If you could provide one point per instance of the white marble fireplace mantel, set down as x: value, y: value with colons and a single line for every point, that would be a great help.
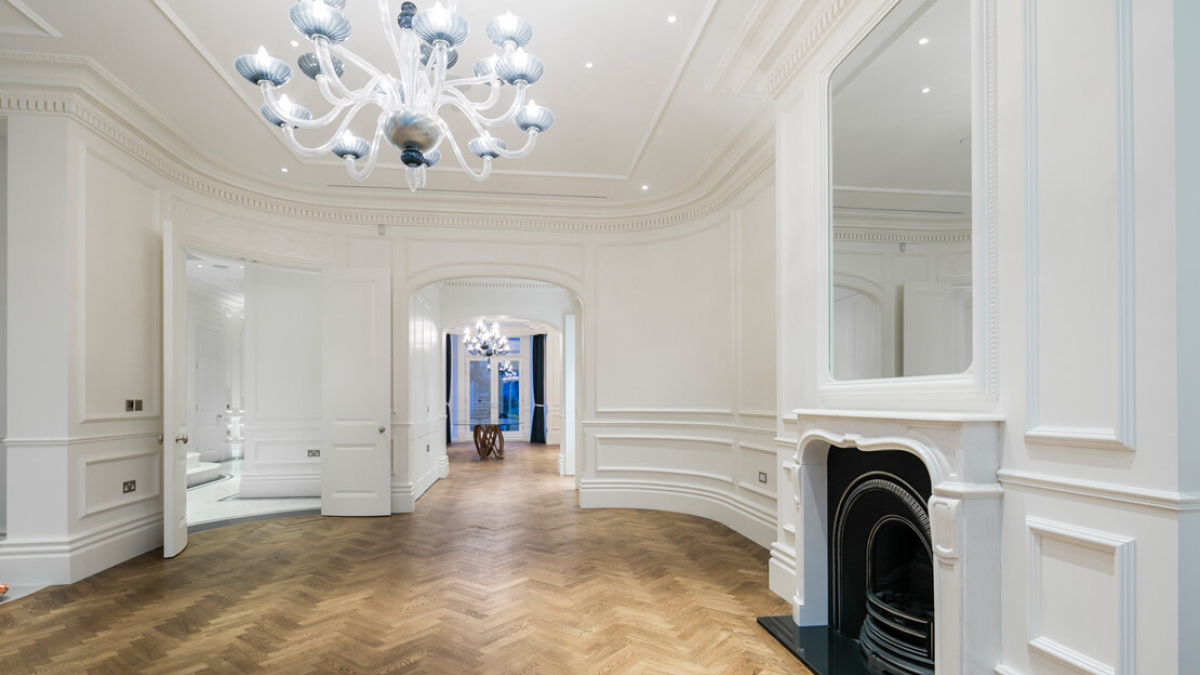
x: 961, y: 451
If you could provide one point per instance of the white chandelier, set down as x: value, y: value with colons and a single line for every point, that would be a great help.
x: 486, y: 341
x: 410, y: 103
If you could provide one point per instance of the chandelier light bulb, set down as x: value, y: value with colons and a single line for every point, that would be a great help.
x: 413, y: 102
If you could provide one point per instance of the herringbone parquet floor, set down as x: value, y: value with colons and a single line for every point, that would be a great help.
x: 497, y: 572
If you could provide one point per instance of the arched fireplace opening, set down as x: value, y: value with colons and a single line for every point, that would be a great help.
x: 881, y: 558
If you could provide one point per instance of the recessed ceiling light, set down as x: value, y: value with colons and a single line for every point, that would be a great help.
x: 645, y: 187
x: 220, y: 267
x: 296, y: 43
x: 923, y: 91
x: 589, y: 64
x: 284, y: 169
x: 671, y: 19
x: 923, y: 41
x: 199, y: 265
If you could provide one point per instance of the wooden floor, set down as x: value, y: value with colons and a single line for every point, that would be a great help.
x: 497, y: 572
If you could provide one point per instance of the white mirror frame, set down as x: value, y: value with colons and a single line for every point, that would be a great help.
x: 801, y: 87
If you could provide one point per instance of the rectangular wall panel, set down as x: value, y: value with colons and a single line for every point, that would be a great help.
x: 1079, y: 223
x: 121, y: 291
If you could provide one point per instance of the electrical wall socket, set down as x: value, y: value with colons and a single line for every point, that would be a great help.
x: 762, y: 477
x: 133, y: 405
x: 314, y: 453
x: 128, y: 486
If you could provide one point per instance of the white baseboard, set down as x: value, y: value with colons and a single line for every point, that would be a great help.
x: 727, y: 509
x: 404, y: 498
x: 46, y: 563
x: 280, y: 487
x: 782, y: 575
x: 425, y: 482
x: 443, y: 466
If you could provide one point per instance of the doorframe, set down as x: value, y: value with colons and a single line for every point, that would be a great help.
x: 518, y: 272
x: 259, y: 248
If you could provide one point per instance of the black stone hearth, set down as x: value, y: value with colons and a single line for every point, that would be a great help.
x: 881, y: 605
x: 821, y: 650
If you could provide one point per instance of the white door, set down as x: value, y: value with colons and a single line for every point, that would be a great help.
x: 174, y: 396
x: 928, y: 343
x: 356, y: 372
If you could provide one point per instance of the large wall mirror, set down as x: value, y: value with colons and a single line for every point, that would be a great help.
x: 900, y: 168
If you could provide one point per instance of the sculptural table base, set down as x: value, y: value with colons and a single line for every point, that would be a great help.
x: 489, y: 441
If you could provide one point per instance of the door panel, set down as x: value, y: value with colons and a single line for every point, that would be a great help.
x: 510, y: 398
x: 174, y: 396
x: 356, y: 366
x: 480, y: 392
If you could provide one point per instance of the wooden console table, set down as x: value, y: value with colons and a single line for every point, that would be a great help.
x: 489, y: 441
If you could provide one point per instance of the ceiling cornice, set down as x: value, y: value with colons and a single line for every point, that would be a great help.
x: 83, y: 90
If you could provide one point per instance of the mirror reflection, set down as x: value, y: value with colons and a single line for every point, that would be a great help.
x: 900, y: 153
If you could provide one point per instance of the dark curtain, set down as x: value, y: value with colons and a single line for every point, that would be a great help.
x: 449, y: 373
x: 537, y: 432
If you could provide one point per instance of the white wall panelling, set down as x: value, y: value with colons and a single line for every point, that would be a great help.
x: 282, y: 380
x: 3, y: 325
x: 1082, y: 597
x: 1065, y: 171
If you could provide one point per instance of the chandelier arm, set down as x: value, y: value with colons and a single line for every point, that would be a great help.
x: 487, y: 161
x: 272, y: 103
x: 289, y: 134
x: 478, y: 106
x: 323, y: 57
x: 369, y: 166
x: 478, y: 119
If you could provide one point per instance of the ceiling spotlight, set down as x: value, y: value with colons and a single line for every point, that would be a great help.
x: 295, y: 43
x: 923, y: 91
x: 671, y: 19
x: 284, y: 169
x: 923, y: 41
x: 645, y: 187
x: 589, y: 64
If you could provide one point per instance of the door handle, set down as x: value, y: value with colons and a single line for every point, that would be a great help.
x: 382, y: 429
x: 181, y: 437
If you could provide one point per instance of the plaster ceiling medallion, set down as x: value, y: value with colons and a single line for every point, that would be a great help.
x: 411, y: 103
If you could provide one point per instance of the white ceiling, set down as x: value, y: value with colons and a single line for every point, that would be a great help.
x: 644, y: 114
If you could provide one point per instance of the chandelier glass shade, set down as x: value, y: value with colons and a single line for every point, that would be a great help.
x: 486, y: 340
x: 413, y: 101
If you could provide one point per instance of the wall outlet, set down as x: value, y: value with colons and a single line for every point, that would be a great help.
x: 762, y: 477
x: 137, y: 404
x: 128, y: 405
x: 128, y: 486
x: 426, y: 447
x: 314, y: 453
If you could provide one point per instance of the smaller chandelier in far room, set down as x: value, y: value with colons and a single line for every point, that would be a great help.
x: 411, y: 102
x: 486, y: 341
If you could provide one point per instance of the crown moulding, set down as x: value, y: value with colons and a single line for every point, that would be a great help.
x: 82, y: 90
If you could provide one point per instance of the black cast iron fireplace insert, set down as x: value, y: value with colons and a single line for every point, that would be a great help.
x: 881, y: 609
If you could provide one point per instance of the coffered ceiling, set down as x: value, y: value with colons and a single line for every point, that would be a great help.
x: 662, y: 106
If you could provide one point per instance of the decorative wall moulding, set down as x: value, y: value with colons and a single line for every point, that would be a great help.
x: 105, y: 106
x: 1177, y: 502
x: 797, y: 55
x: 1124, y: 559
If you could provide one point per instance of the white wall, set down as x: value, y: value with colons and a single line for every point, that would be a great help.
x: 682, y: 373
x: 215, y: 321
x: 282, y: 382
x: 83, y: 336
x: 693, y: 439
x: 1075, y: 253
x: 3, y: 321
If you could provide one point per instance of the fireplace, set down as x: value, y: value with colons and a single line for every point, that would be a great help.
x: 896, y: 539
x: 881, y: 559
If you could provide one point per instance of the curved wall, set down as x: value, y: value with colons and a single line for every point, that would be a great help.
x: 676, y: 393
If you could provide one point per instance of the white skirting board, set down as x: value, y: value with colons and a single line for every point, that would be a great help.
x: 46, y: 563
x: 280, y: 487
x: 739, y: 515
